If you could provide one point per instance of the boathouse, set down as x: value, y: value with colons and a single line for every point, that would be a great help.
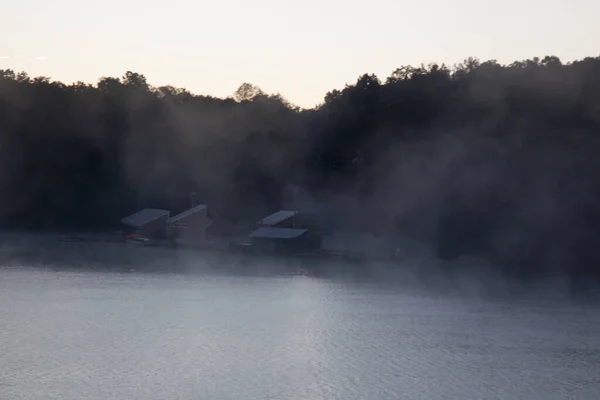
x: 150, y: 222
x: 190, y: 226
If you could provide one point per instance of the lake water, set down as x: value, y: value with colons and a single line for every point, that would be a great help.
x: 72, y: 335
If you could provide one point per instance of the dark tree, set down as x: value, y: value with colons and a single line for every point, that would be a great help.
x: 496, y: 160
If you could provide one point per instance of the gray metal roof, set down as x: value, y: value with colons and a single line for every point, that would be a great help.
x: 187, y: 213
x: 277, y: 233
x: 144, y: 217
x: 278, y: 217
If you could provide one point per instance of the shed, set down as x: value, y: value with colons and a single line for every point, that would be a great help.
x: 190, y: 225
x: 150, y: 222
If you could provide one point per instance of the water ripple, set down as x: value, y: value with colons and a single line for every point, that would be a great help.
x: 139, y: 336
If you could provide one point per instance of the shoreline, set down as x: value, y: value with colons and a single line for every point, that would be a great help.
x: 218, y: 244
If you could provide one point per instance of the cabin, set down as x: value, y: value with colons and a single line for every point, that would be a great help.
x: 149, y: 222
x: 267, y: 240
x: 190, y: 226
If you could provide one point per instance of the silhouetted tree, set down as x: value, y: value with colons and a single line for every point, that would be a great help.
x: 247, y: 92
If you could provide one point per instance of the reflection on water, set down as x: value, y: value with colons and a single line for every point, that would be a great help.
x: 93, y: 335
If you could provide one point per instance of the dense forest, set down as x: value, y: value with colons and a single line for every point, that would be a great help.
x: 497, y: 160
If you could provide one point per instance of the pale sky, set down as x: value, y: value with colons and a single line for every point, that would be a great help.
x: 301, y: 49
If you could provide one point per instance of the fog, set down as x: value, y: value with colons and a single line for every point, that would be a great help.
x: 419, y: 271
x: 489, y: 172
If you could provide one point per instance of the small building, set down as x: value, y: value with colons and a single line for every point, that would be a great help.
x: 280, y: 219
x: 149, y: 222
x: 267, y: 240
x: 190, y: 226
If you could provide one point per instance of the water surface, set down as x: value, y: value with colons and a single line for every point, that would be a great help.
x: 103, y: 335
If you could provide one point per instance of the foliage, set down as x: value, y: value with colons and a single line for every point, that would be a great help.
x: 500, y: 160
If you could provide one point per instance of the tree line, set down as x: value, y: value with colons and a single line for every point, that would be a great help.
x: 478, y: 158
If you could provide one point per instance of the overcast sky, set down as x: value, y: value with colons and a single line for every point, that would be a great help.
x: 301, y: 49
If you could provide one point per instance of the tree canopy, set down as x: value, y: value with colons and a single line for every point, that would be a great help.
x: 499, y: 160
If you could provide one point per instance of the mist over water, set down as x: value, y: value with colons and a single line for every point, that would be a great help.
x: 418, y: 269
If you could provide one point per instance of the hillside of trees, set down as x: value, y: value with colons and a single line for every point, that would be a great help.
x: 481, y: 158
